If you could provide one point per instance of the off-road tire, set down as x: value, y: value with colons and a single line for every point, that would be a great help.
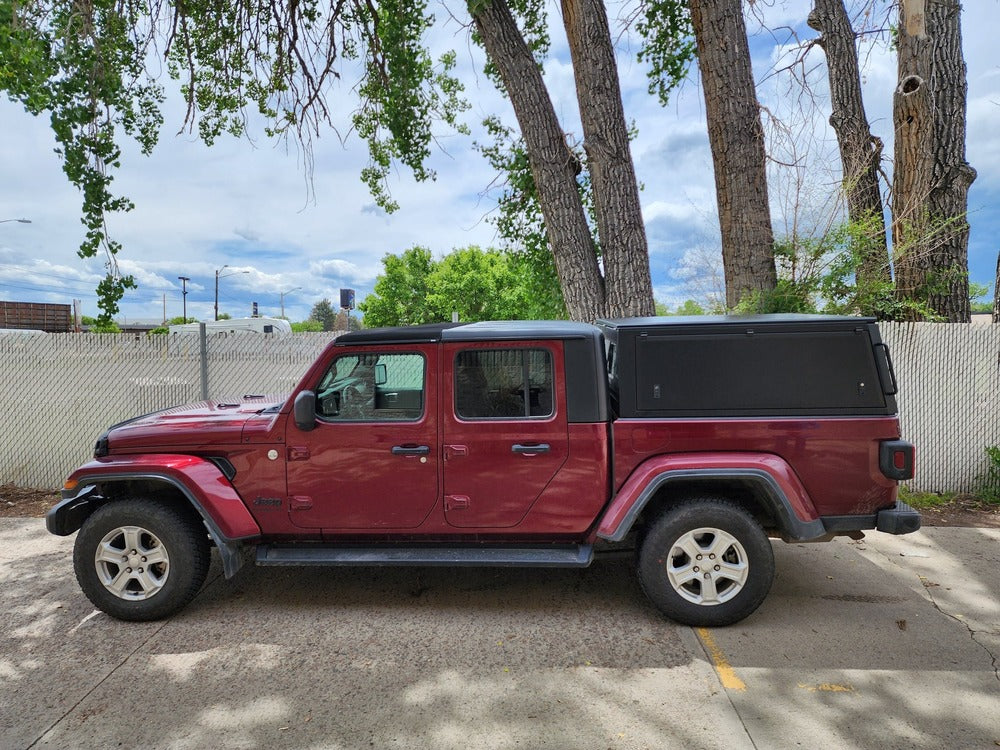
x: 706, y: 591
x: 175, y: 541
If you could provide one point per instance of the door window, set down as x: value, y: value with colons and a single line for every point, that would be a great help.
x: 503, y: 384
x: 372, y: 387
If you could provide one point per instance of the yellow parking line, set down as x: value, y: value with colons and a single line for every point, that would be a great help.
x: 722, y: 666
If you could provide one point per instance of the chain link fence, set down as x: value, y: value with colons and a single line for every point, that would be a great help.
x: 949, y: 399
x: 59, y: 392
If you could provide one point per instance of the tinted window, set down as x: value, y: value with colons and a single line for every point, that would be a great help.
x: 764, y: 373
x: 372, y: 387
x: 503, y: 384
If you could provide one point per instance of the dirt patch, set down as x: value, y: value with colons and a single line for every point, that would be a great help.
x: 964, y: 510
x: 25, y: 503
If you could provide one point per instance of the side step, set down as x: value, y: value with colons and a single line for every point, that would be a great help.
x: 523, y: 556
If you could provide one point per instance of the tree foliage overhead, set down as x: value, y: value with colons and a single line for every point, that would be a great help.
x: 668, y: 45
x: 93, y: 66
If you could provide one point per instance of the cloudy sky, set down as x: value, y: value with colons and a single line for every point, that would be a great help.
x: 245, y: 204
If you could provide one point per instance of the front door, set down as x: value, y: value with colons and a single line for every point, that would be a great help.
x: 505, y: 430
x: 371, y: 463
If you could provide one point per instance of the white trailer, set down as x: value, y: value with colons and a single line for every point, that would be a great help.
x: 275, y: 326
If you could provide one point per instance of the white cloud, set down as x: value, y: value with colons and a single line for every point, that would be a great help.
x: 673, y: 211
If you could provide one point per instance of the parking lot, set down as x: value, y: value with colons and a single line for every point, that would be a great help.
x: 888, y: 642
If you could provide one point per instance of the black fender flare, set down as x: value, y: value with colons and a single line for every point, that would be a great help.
x: 67, y: 516
x: 759, y: 481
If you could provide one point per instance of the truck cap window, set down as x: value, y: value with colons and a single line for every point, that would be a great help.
x: 503, y: 384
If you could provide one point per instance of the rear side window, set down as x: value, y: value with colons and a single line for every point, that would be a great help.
x: 763, y: 373
x: 503, y: 384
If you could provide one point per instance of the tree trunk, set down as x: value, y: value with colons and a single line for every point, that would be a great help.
x: 931, y: 180
x: 737, y: 140
x: 996, y: 294
x: 913, y: 120
x: 949, y: 196
x: 860, y: 151
x: 553, y: 166
x: 620, y: 227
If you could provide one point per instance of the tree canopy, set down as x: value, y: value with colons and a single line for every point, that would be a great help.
x: 570, y: 210
x: 324, y: 314
x: 94, y: 67
x: 477, y: 284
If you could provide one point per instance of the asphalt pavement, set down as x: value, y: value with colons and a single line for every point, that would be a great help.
x: 890, y: 642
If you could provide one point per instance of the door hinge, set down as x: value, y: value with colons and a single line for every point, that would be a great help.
x: 298, y: 452
x: 454, y: 451
x: 456, y: 502
x: 300, y: 502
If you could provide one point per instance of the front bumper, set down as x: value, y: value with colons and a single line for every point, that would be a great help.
x: 68, y: 515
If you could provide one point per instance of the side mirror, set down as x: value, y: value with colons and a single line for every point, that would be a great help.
x: 381, y: 375
x: 304, y: 411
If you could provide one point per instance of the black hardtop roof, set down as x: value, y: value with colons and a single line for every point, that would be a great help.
x: 734, y: 320
x: 502, y: 330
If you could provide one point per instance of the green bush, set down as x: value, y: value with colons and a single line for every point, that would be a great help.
x: 989, y: 481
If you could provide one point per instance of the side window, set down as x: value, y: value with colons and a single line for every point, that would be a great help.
x: 372, y: 387
x: 503, y: 384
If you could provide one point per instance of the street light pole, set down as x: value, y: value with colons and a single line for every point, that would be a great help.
x: 184, y: 294
x: 217, y: 277
x: 283, y: 299
x: 217, y: 270
x: 19, y: 221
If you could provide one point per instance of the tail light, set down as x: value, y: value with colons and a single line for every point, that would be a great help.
x: 895, y: 459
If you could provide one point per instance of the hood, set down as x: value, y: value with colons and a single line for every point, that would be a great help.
x: 202, y: 424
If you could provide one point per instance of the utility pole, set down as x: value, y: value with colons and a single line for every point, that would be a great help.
x: 996, y: 294
x: 217, y: 277
x: 184, y: 294
x: 217, y: 289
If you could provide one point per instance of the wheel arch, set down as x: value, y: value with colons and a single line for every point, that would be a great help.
x: 198, y: 485
x: 778, y: 502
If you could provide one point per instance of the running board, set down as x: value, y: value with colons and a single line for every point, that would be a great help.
x: 525, y: 556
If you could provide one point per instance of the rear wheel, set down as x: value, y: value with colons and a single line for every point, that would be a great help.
x: 140, y: 560
x: 706, y: 563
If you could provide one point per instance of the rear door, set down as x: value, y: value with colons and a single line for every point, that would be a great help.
x: 372, y: 460
x: 505, y: 429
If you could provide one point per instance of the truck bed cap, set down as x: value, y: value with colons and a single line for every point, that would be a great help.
x: 735, y: 320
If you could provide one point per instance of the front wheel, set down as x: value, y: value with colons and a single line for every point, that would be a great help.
x: 140, y: 559
x: 706, y: 563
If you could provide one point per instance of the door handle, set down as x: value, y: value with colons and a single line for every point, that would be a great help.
x: 529, y: 450
x: 410, y: 450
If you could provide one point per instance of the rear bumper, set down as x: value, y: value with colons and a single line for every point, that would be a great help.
x: 900, y: 519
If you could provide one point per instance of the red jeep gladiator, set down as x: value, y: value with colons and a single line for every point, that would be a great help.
x: 690, y: 440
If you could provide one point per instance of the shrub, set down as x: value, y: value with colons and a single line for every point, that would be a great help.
x: 989, y: 481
